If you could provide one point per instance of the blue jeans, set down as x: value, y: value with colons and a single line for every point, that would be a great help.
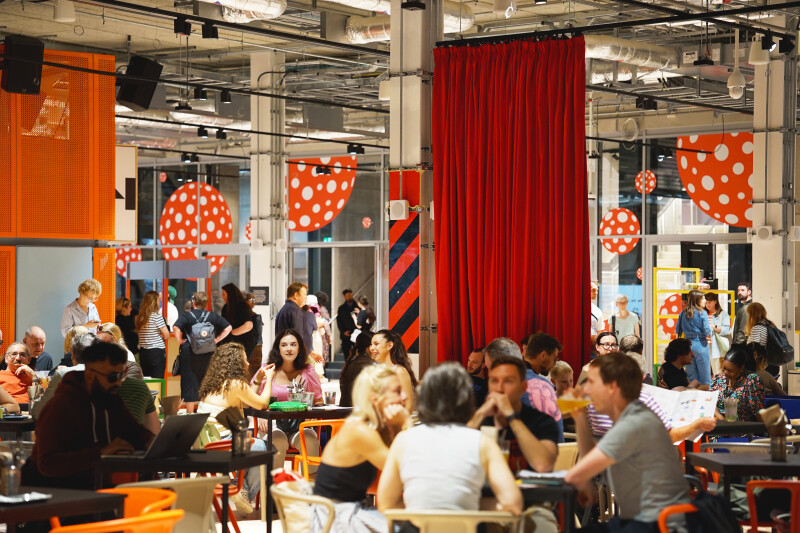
x: 700, y: 367
x: 252, y: 478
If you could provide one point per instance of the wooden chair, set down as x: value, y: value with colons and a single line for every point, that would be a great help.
x: 304, y: 458
x: 294, y: 508
x: 792, y: 486
x: 160, y: 522
x: 138, y: 501
x: 450, y: 521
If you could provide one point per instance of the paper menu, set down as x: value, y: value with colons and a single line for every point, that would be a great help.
x: 686, y: 406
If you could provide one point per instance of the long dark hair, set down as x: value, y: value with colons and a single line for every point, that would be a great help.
x: 398, y: 353
x: 361, y: 346
x: 275, y: 357
x: 363, y: 300
x: 236, y: 310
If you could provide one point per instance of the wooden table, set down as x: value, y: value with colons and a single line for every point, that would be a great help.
x: 64, y: 502
x: 202, y: 461
x: 533, y: 493
x: 17, y: 425
x: 316, y: 413
x: 735, y: 465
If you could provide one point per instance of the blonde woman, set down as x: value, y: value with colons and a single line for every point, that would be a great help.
x: 624, y: 322
x: 153, y: 333
x: 82, y: 311
x: 352, y: 459
x: 694, y: 325
x: 73, y: 332
x: 114, y: 334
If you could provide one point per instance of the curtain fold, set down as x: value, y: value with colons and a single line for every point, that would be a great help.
x: 510, y: 195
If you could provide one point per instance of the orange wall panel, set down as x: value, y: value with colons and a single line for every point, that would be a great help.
x: 104, y: 271
x: 7, y: 292
x: 8, y: 141
x: 105, y: 153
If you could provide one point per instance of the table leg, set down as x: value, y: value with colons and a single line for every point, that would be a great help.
x: 569, y: 514
x: 270, y: 466
x: 225, y: 507
x: 262, y: 478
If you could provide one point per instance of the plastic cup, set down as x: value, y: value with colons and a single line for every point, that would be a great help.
x: 567, y: 404
x: 330, y: 398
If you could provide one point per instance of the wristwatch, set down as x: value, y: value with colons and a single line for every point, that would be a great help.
x: 512, y: 416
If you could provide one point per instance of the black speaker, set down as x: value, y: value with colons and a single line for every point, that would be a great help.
x: 22, y: 65
x: 137, y: 94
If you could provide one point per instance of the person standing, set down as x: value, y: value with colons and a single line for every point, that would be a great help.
x: 345, y: 322
x: 694, y: 325
x: 597, y: 313
x: 325, y: 314
x: 366, y: 315
x: 241, y: 318
x: 744, y: 294
x: 153, y: 333
x: 82, y: 311
x: 125, y: 319
x: 624, y: 322
x: 292, y: 315
x: 720, y: 323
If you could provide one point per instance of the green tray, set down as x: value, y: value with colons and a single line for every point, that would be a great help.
x: 288, y: 406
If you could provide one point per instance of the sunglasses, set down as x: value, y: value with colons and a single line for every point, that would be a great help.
x: 111, y: 377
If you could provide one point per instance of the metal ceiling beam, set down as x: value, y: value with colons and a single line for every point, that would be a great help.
x: 634, y: 94
x: 255, y: 30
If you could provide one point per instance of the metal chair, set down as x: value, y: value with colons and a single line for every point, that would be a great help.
x: 160, y: 522
x: 792, y: 486
x: 450, y: 521
x: 304, y: 458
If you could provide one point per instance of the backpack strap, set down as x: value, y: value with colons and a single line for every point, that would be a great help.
x: 204, y: 316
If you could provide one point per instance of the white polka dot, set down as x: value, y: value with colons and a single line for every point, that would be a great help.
x: 171, y: 210
x: 734, y: 134
x: 219, y: 234
x: 340, y: 203
x: 632, y: 228
x: 701, y: 156
x: 307, y: 193
x: 295, y: 183
x: 740, y: 196
x: 120, y: 264
x: 291, y: 224
x: 748, y: 214
x: 325, y: 160
x: 316, y: 225
x: 328, y: 215
x: 319, y: 187
x: 751, y: 181
x: 194, y: 232
x: 738, y: 168
x: 181, y: 234
x: 690, y: 188
x: 352, y: 182
x: 182, y: 197
x: 680, y: 143
x: 721, y: 152
x: 210, y: 226
x: 622, y: 248
x: 297, y: 205
x: 607, y: 231
x: 716, y: 215
x: 301, y: 166
x: 189, y: 209
x: 178, y: 217
x: 622, y: 216
x: 671, y: 322
x: 693, y: 139
x: 331, y: 186
x: 619, y: 230
x: 684, y: 162
x: 344, y: 185
x: 704, y: 205
x: 314, y: 171
x: 694, y: 171
x: 628, y: 240
x: 168, y: 223
x: 316, y: 208
x: 723, y: 199
x: 327, y: 202
x: 171, y: 237
x: 731, y: 218
x: 724, y: 178
x: 305, y: 220
x: 747, y: 148
x: 707, y: 182
x: 337, y: 168
x: 203, y: 200
x: 215, y: 211
x: 675, y: 309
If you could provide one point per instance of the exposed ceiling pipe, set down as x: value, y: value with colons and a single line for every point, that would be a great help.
x: 361, y: 30
x: 631, y: 52
x: 244, y: 17
x: 243, y: 9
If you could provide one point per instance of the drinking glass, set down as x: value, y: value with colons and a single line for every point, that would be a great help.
x: 330, y: 398
x: 731, y: 409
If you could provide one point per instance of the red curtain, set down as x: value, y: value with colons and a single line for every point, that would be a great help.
x: 510, y: 195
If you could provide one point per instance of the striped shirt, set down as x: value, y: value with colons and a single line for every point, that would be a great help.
x: 150, y: 336
x: 600, y: 424
x: 137, y: 398
x: 758, y: 335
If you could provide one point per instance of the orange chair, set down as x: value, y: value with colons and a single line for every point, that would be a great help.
x: 233, y: 488
x: 681, y: 508
x: 160, y: 522
x: 138, y: 501
x: 307, y: 460
x: 792, y: 486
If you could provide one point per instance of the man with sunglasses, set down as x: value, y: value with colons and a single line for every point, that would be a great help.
x: 85, y: 420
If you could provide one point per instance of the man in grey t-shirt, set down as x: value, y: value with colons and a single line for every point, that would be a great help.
x: 639, y: 456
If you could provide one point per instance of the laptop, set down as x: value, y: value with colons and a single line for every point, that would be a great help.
x: 174, y: 440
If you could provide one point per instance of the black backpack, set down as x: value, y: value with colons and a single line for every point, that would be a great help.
x: 779, y: 351
x: 201, y: 335
x: 714, y: 515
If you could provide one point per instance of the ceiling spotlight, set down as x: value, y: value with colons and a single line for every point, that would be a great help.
x: 540, y: 2
x: 183, y: 106
x: 202, y: 132
x: 785, y: 46
x: 323, y: 170
x: 64, y: 11
x: 758, y: 55
x: 195, y: 158
x: 182, y: 26
x: 225, y: 96
x: 186, y: 157
x: 768, y: 43
x: 200, y: 94
x: 736, y: 81
x: 413, y: 5
x: 210, y: 31
x: 221, y: 135
x: 355, y: 149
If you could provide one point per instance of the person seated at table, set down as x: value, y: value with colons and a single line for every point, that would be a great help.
x: 288, y: 359
x: 539, y: 355
x: 637, y: 451
x: 442, y: 463
x: 66, y: 360
x: 387, y: 348
x: 357, y: 360
x: 354, y: 456
x: 18, y: 375
x: 758, y: 364
x: 225, y: 385
x: 562, y: 377
x: 110, y: 332
x: 85, y: 419
x: 79, y: 343
x: 736, y: 381
x: 532, y: 436
x: 605, y: 343
x: 671, y: 374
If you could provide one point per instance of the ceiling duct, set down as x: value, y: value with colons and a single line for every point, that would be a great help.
x: 243, y: 11
x: 361, y: 30
x: 631, y: 52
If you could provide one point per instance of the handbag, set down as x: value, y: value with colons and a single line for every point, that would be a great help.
x: 723, y: 343
x: 176, y: 366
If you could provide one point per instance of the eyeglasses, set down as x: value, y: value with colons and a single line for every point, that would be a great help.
x: 609, y: 346
x: 18, y: 355
x: 111, y: 377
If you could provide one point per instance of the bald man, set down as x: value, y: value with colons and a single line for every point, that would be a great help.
x: 35, y: 339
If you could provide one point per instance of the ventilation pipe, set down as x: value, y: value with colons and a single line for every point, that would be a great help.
x: 240, y: 10
x: 636, y: 53
x: 361, y: 30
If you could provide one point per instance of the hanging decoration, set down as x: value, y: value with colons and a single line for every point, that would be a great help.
x: 247, y: 231
x: 619, y: 221
x: 127, y: 253
x: 318, y: 190
x: 645, y: 180
x: 184, y: 215
x: 720, y: 183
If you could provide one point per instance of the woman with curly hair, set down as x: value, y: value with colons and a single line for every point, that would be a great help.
x: 387, y: 348
x: 153, y: 332
x: 225, y: 385
x: 237, y: 311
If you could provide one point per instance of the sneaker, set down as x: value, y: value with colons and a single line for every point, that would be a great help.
x: 242, y: 502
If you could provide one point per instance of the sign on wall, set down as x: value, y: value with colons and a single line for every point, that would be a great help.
x: 126, y: 184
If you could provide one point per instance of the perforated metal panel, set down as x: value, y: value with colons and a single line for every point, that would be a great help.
x: 7, y: 292
x: 7, y: 162
x: 104, y: 271
x: 106, y: 139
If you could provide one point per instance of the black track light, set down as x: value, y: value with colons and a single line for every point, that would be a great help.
x: 785, y: 46
x: 183, y: 106
x: 355, y: 149
x: 413, y: 5
x: 182, y: 26
x: 323, y: 170
x: 225, y: 96
x: 200, y: 94
x: 540, y: 2
x: 221, y: 135
x: 202, y: 132
x: 768, y: 43
x: 195, y: 158
x: 210, y: 31
x: 186, y: 157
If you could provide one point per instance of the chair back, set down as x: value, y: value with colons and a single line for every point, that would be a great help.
x: 194, y: 496
x: 160, y: 522
x: 440, y: 521
x: 307, y: 460
x: 567, y: 456
x: 294, y: 507
x: 792, y: 486
x: 681, y: 508
x: 141, y: 500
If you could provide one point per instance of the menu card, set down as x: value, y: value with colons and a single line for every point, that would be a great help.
x: 686, y: 406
